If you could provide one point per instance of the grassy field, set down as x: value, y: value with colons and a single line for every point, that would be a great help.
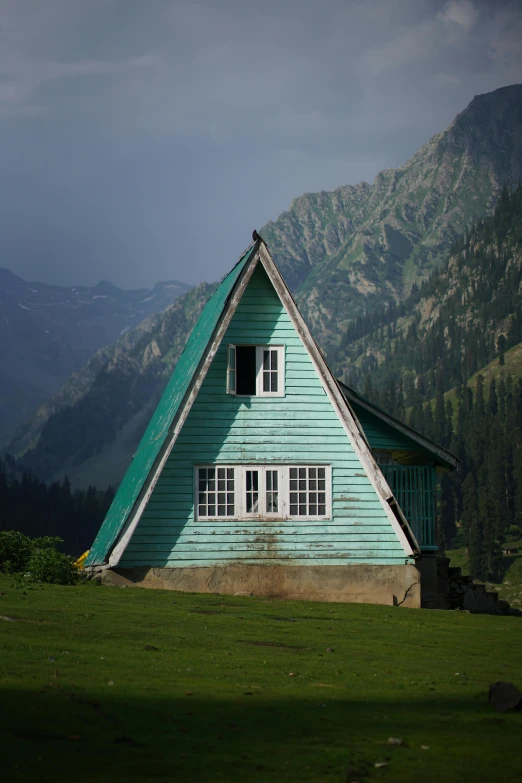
x: 107, y: 684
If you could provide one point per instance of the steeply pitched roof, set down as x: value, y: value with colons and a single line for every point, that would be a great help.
x: 166, y: 413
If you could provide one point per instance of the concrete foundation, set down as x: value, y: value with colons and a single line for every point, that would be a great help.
x: 394, y: 585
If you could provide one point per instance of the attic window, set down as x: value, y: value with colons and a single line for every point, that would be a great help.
x: 256, y: 370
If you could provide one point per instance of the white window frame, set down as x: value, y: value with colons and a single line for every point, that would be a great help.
x: 232, y: 370
x: 283, y: 472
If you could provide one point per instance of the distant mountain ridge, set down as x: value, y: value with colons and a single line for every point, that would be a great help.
x: 47, y: 332
x: 343, y: 253
x: 351, y: 250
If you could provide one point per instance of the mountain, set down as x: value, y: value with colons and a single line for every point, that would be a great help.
x: 92, y: 426
x: 47, y: 332
x: 467, y: 314
x: 360, y: 250
x: 351, y: 250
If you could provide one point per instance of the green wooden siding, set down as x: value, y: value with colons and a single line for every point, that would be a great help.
x: 302, y: 426
x: 382, y: 436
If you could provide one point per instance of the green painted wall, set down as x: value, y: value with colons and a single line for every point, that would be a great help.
x: 300, y: 427
x: 383, y: 436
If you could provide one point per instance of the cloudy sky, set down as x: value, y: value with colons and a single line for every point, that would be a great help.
x: 144, y: 139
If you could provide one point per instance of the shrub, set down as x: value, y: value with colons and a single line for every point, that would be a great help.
x: 15, y: 551
x: 36, y: 559
x: 49, y: 565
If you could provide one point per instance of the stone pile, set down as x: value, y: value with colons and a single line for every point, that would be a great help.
x: 456, y: 591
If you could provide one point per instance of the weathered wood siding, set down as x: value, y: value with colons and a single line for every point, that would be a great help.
x: 302, y: 426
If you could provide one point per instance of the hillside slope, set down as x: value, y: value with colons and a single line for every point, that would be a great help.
x: 47, y: 332
x: 469, y: 312
x: 112, y: 397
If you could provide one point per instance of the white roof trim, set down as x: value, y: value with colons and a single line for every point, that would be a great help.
x: 339, y: 403
x: 184, y: 410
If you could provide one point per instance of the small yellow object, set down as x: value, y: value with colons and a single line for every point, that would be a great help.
x: 81, y: 560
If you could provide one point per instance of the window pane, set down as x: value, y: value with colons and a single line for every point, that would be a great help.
x: 211, y: 511
x: 273, y: 383
x: 221, y: 511
x: 307, y: 491
x: 230, y: 473
x: 273, y: 363
x: 272, y: 497
x: 230, y: 511
x: 266, y: 360
x: 221, y: 473
x: 266, y: 381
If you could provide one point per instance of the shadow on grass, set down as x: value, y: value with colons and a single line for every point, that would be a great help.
x: 60, y: 735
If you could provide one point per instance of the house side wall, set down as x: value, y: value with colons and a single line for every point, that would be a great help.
x: 382, y: 436
x: 300, y: 427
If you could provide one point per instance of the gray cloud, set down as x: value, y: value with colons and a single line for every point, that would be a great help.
x: 145, y: 140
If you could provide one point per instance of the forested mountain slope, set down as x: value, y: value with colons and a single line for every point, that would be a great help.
x: 468, y: 312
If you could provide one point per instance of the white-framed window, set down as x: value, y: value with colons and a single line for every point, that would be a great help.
x: 256, y: 370
x: 263, y: 492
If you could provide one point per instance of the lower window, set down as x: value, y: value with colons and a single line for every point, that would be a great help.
x: 263, y: 491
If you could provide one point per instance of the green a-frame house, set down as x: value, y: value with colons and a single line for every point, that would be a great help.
x: 260, y: 473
